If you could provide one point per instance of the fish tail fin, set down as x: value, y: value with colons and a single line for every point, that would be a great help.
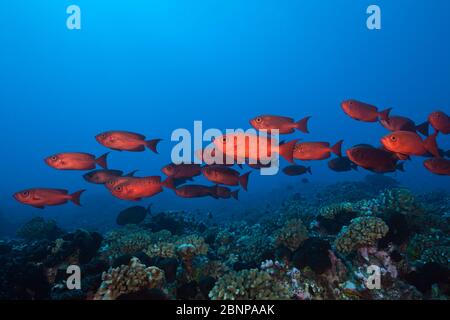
x: 384, y: 115
x: 102, y: 161
x: 169, y: 183
x: 75, y: 197
x: 400, y: 167
x: 243, y: 180
x: 152, y: 144
x: 235, y: 194
x: 131, y: 174
x: 336, y: 149
x: 308, y: 169
x: 423, y: 128
x: 430, y: 144
x: 302, y: 125
x: 286, y: 150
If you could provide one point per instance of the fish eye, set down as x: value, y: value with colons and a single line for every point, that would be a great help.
x: 393, y: 138
x: 119, y: 188
x: 54, y: 158
x: 25, y: 193
x: 224, y: 139
x: 258, y: 119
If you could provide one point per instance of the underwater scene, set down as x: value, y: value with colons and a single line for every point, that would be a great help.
x: 225, y: 150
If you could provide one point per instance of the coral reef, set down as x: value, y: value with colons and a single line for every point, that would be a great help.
x: 306, y: 248
x: 128, y: 279
x: 362, y: 232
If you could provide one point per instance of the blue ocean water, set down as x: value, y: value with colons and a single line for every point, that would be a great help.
x: 155, y: 66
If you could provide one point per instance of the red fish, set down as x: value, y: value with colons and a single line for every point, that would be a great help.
x: 398, y: 123
x: 225, y: 175
x: 208, y: 156
x: 196, y: 191
x: 374, y: 159
x: 253, y: 147
x: 42, y: 197
x: 126, y: 141
x: 284, y: 125
x: 438, y: 166
x: 226, y: 193
x: 111, y: 184
x: 182, y: 171
x: 296, y: 170
x: 364, y: 112
x: 316, y: 150
x: 440, y: 121
x: 76, y: 161
x: 136, y: 189
x: 103, y: 176
x: 410, y: 144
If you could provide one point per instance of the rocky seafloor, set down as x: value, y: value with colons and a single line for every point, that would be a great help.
x: 316, y: 247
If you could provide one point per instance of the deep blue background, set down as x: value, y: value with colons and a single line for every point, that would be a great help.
x: 153, y: 66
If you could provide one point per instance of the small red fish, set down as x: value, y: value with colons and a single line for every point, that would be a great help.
x: 374, y: 159
x: 226, y: 193
x: 76, y: 161
x: 182, y: 171
x: 126, y: 141
x: 225, y: 175
x: 438, y: 166
x: 284, y: 125
x: 42, y: 197
x: 440, y: 121
x: 196, y: 191
x: 316, y: 150
x: 103, y: 176
x: 398, y: 123
x: 410, y: 144
x: 136, y: 189
x: 364, y: 112
x: 296, y: 170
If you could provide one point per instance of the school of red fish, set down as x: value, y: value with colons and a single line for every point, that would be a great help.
x: 406, y: 139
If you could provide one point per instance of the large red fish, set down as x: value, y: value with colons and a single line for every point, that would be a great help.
x: 284, y: 125
x: 136, y: 189
x: 410, y: 144
x: 42, y: 197
x: 438, y: 166
x: 182, y: 171
x: 374, y: 159
x: 211, y: 156
x: 226, y: 193
x: 111, y: 184
x: 76, y: 161
x: 253, y: 148
x: 225, y: 175
x: 126, y: 141
x: 316, y: 150
x: 398, y: 123
x: 364, y: 112
x: 103, y: 176
x: 440, y: 121
x: 196, y: 191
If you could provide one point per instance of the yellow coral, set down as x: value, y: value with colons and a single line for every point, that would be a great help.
x: 128, y: 279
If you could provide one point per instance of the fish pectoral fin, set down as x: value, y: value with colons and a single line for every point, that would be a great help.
x: 36, y: 198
